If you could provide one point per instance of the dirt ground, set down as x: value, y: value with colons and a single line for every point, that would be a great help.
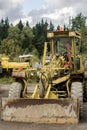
x: 34, y: 126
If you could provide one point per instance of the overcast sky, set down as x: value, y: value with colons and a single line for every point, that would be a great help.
x: 57, y: 11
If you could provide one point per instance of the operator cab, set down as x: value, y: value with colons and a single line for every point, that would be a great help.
x: 67, y: 44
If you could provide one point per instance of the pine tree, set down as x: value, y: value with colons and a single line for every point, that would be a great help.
x: 51, y: 28
x: 20, y: 25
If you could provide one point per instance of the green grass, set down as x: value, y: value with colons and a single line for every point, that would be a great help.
x: 6, y: 80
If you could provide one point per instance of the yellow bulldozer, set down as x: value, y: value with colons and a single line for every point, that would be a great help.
x: 58, y: 95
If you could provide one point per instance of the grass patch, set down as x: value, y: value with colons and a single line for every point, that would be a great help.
x: 6, y: 80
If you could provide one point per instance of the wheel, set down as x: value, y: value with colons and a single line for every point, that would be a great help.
x: 41, y: 89
x: 85, y: 65
x: 15, y: 90
x: 85, y: 91
x: 77, y: 92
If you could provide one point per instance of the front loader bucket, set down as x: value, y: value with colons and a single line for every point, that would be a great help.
x: 40, y: 110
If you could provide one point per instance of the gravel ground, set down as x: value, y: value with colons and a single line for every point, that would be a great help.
x: 34, y: 126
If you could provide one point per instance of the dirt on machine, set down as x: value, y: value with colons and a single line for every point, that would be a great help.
x: 59, y: 92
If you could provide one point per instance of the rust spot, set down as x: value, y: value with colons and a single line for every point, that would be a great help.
x: 25, y: 102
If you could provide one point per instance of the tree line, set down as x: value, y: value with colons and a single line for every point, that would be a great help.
x: 21, y: 39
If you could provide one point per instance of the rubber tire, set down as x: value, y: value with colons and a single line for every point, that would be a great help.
x: 85, y: 91
x: 85, y: 65
x: 77, y: 92
x: 15, y: 90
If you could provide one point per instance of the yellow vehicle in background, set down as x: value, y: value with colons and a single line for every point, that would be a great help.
x: 6, y: 66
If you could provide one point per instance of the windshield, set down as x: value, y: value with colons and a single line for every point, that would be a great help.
x: 61, y: 44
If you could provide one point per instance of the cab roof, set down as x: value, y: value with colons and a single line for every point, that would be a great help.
x: 53, y: 34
